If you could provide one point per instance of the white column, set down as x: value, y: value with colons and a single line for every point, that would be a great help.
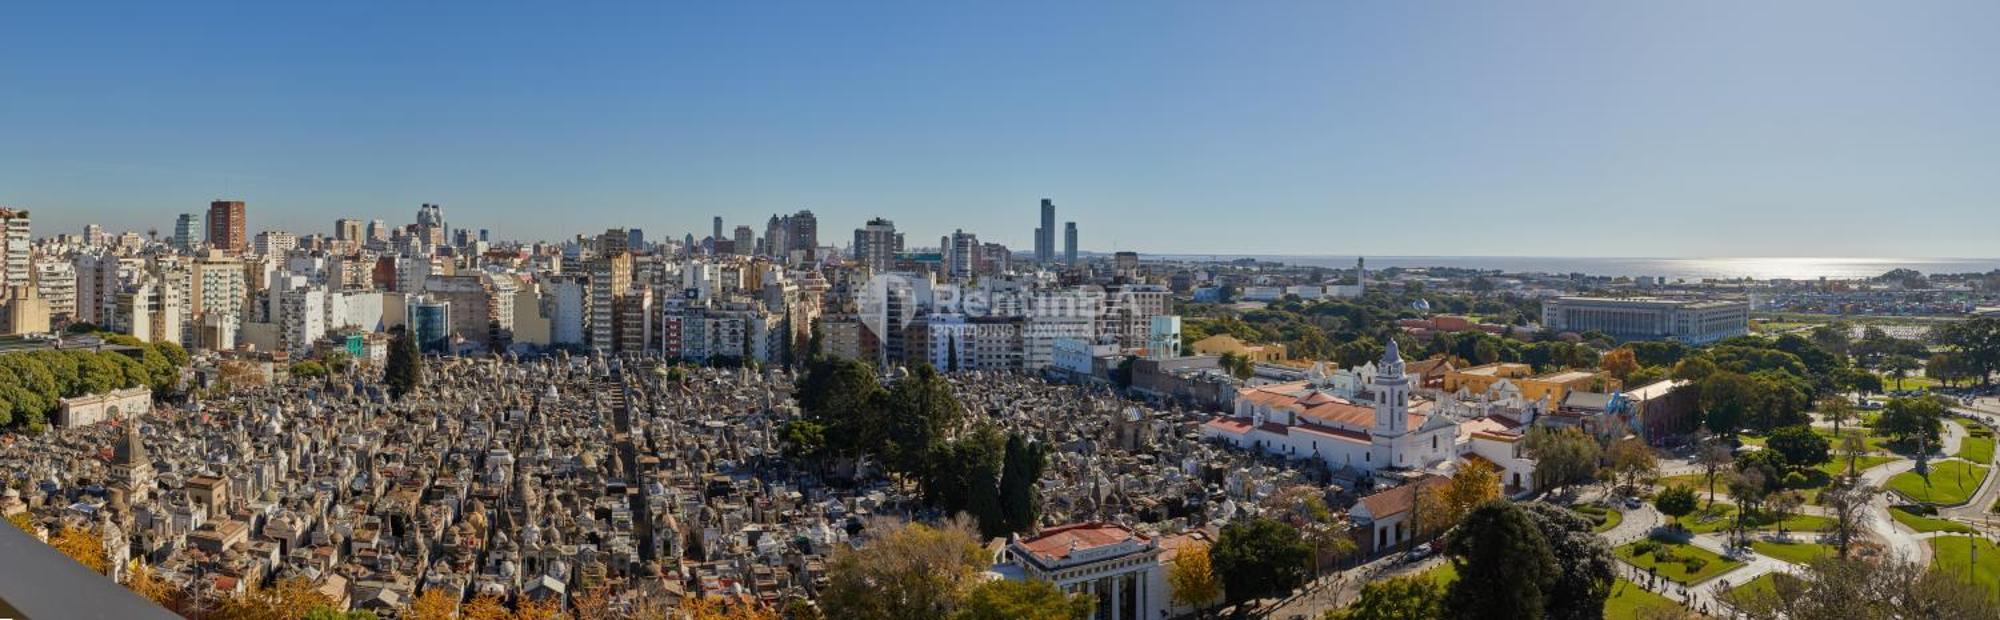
x: 1117, y: 589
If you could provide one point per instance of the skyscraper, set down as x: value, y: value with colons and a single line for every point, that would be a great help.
x: 876, y: 244
x: 187, y: 231
x: 378, y: 231
x: 746, y: 240
x: 775, y: 232
x: 346, y: 229
x: 14, y: 248
x: 1069, y: 243
x: 716, y: 236
x: 803, y: 234
x: 1045, y: 236
x: 226, y: 227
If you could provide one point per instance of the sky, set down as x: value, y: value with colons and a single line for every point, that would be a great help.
x: 1589, y: 128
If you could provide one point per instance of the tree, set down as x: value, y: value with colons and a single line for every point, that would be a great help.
x: 1727, y: 399
x: 404, y: 369
x: 288, y: 599
x: 83, y: 545
x: 1633, y: 460
x: 719, y: 608
x: 309, y: 369
x: 1714, y: 458
x: 922, y: 413
x: 1584, y: 563
x: 1852, y: 446
x: 327, y: 612
x: 844, y: 397
x: 1020, y: 477
x: 1907, y: 418
x: 1694, y: 369
x: 1619, y: 363
x: 1503, y: 545
x: 1442, y: 507
x: 1801, y: 446
x: 1033, y: 599
x: 1977, y: 341
x: 538, y: 609
x: 1563, y: 455
x: 1847, y: 498
x: 1191, y: 578
x: 1259, y: 558
x: 433, y: 604
x: 1836, y: 409
x: 141, y: 580
x: 1675, y: 501
x: 1413, y: 597
x: 1899, y: 366
x: 907, y: 571
x: 1834, y: 588
x: 1781, y: 505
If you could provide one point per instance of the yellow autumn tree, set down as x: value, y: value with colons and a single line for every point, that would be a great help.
x: 1475, y: 483
x: 1191, y: 578
x: 141, y: 580
x: 289, y: 599
x: 718, y: 608
x: 84, y: 546
x: 532, y: 609
x: 433, y: 604
x: 592, y: 604
x: 486, y: 607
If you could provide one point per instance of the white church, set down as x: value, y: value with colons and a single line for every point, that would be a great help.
x: 1380, y: 430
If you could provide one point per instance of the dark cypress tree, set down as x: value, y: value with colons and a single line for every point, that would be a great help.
x: 1020, y: 497
x: 1508, y: 562
x: 405, y: 366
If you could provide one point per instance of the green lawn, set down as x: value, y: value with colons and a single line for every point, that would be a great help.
x: 1838, y: 466
x: 1978, y: 447
x: 1875, y: 443
x: 1677, y: 571
x: 1927, y: 524
x: 1954, y: 556
x: 1908, y: 383
x: 1605, y: 517
x: 1794, y: 552
x: 1951, y: 483
x: 1628, y: 600
x: 1723, y: 516
x: 1763, y: 584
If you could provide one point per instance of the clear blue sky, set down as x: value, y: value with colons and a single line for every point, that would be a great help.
x: 1399, y: 128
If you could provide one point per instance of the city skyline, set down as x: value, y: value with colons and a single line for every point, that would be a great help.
x: 1793, y: 122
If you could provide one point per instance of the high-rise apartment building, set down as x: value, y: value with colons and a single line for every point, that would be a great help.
x: 961, y: 254
x: 775, y: 232
x: 876, y: 244
x: 346, y: 229
x: 276, y: 243
x: 803, y: 235
x: 187, y: 232
x: 57, y: 278
x: 15, y: 241
x: 227, y: 229
x: 93, y: 235
x: 746, y: 240
x: 378, y: 231
x: 1045, y: 236
x: 1069, y: 244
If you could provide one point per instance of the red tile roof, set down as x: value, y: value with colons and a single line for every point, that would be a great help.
x: 1055, y: 544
